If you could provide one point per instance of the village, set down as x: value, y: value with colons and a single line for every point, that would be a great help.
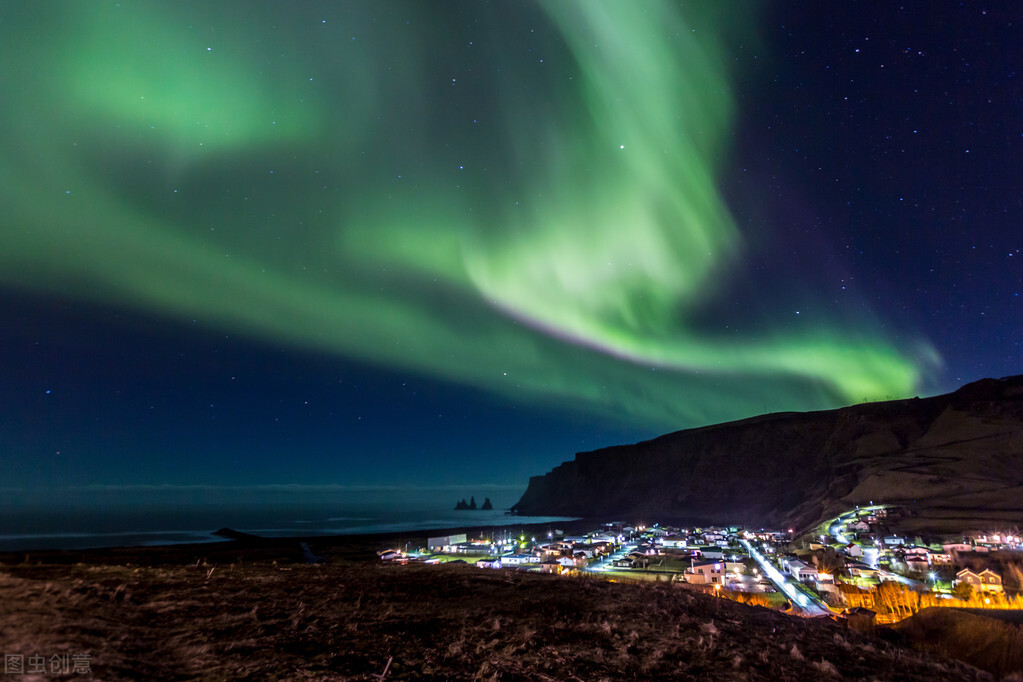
x: 851, y: 567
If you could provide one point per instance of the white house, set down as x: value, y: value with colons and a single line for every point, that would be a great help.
x: 706, y: 573
x: 519, y: 559
x: 801, y: 571
x: 853, y: 550
x: 488, y: 563
x: 445, y: 543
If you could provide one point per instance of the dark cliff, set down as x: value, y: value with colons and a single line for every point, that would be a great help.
x: 959, y: 451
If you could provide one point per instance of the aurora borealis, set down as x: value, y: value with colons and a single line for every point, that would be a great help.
x: 547, y: 207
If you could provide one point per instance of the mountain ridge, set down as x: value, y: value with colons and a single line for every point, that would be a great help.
x: 956, y: 456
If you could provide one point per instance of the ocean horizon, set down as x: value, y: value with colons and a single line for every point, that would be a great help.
x: 90, y: 518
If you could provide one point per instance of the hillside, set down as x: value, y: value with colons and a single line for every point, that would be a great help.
x: 957, y: 459
x: 357, y: 621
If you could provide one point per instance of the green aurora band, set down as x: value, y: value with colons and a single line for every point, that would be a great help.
x: 544, y: 230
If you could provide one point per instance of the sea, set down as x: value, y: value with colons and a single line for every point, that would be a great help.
x: 124, y: 516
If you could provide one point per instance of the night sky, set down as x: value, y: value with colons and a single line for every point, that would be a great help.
x: 421, y: 244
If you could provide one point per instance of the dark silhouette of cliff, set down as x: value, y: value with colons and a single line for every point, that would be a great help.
x: 957, y: 456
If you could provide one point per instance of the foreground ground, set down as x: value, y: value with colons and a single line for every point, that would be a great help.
x: 257, y: 617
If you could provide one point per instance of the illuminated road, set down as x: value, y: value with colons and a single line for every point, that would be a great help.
x: 835, y: 530
x: 811, y: 606
x: 837, y: 525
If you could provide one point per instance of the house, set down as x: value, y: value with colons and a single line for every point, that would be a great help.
x: 706, y: 573
x: 488, y: 563
x: 892, y: 540
x: 917, y: 563
x: 445, y: 543
x: 471, y: 548
x: 602, y: 538
x: 859, y: 527
x: 860, y: 570
x: 801, y: 571
x: 519, y: 559
x: 639, y: 560
x: 985, y: 581
x: 550, y: 566
x: 962, y: 547
x: 566, y: 562
x: 824, y: 579
x: 917, y: 558
x: 585, y: 550
x: 853, y: 550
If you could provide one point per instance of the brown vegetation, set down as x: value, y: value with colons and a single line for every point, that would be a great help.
x: 987, y: 643
x: 346, y: 620
x: 894, y: 601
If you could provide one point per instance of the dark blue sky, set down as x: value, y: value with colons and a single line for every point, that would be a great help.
x: 870, y: 203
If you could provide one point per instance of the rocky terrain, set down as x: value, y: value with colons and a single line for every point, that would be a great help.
x: 956, y: 459
x: 137, y: 618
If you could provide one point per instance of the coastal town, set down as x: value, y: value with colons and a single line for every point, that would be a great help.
x: 853, y: 567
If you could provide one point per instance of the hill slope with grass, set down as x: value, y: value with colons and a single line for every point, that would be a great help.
x: 284, y: 620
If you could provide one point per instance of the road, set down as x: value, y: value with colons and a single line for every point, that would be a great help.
x: 811, y: 606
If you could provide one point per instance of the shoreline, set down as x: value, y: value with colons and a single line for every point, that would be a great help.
x: 246, y: 547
